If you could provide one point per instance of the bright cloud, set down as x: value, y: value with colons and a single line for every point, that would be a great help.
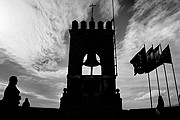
x: 3, y: 85
x: 147, y: 95
x: 154, y: 22
x: 38, y: 96
x: 32, y: 33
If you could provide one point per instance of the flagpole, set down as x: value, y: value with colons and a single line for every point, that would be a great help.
x: 175, y: 83
x: 115, y: 53
x: 158, y: 81
x: 175, y: 79
x: 166, y: 80
x: 167, y: 84
x: 157, y: 78
x: 150, y: 90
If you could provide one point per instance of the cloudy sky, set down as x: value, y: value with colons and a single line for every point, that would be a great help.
x: 34, y: 43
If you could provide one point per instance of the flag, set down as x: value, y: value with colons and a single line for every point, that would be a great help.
x: 150, y: 65
x: 139, y: 61
x: 166, y: 55
x: 157, y: 57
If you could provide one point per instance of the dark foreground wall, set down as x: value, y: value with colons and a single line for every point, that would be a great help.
x: 33, y: 113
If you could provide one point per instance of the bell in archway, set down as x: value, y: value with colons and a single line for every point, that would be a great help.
x: 91, y: 60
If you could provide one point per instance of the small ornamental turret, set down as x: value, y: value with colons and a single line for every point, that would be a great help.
x: 100, y: 25
x: 83, y: 25
x: 75, y: 25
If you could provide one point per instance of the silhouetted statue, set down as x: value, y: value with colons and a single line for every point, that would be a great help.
x: 26, y: 104
x: 11, y: 97
x: 160, y: 104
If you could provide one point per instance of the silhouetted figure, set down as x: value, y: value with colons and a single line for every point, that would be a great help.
x: 26, y: 104
x: 11, y: 94
x: 118, y: 100
x: 63, y: 101
x: 160, y: 105
x: 117, y: 93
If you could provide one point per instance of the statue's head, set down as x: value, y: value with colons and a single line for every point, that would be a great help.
x: 13, y: 80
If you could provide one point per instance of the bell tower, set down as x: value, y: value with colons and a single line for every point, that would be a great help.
x: 87, y: 93
x: 91, y: 42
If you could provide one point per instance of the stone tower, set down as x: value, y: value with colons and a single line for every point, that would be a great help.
x: 91, y: 93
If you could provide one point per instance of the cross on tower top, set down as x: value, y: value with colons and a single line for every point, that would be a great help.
x: 92, y: 5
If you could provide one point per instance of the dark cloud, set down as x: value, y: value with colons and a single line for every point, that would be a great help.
x: 146, y: 10
x: 153, y: 22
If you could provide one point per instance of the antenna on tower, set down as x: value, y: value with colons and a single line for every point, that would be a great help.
x: 115, y: 54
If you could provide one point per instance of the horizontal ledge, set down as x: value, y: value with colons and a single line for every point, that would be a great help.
x: 92, y: 76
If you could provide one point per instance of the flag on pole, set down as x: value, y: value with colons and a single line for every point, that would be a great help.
x: 139, y: 61
x: 166, y: 58
x: 166, y: 55
x: 150, y: 60
x: 157, y: 57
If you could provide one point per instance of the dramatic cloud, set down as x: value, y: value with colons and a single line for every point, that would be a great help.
x: 106, y: 8
x: 147, y: 95
x: 2, y: 58
x: 38, y: 96
x: 3, y: 86
x: 33, y: 32
x: 153, y: 22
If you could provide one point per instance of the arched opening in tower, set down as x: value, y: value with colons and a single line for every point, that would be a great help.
x: 91, y: 70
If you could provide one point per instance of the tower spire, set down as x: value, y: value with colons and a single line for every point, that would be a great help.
x: 92, y: 5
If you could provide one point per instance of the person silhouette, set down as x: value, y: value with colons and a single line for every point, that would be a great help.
x: 11, y: 98
x: 117, y: 93
x: 63, y: 101
x: 26, y: 104
x: 160, y: 104
x: 118, y: 99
